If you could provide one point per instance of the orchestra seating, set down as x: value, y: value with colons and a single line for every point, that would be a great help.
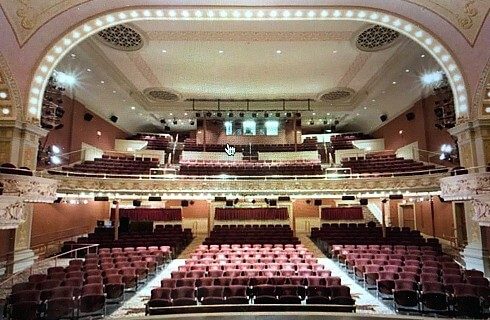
x: 405, y: 268
x: 344, y: 141
x: 115, y: 165
x: 307, y: 145
x: 250, y: 274
x: 250, y: 168
x: 256, y: 234
x: 169, y: 235
x: 85, y: 286
x: 387, y: 163
x: 155, y: 141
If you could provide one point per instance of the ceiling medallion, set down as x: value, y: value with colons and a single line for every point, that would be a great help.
x: 376, y: 38
x: 161, y: 95
x: 338, y: 94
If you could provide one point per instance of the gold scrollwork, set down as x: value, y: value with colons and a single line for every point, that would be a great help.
x: 466, y: 21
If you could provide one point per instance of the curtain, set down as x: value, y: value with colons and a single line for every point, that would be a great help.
x: 350, y: 213
x: 149, y: 214
x: 251, y: 214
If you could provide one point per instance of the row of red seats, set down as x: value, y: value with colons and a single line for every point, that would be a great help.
x: 250, y: 169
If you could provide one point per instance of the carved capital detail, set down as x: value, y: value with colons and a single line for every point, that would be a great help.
x: 29, y: 188
x: 12, y: 213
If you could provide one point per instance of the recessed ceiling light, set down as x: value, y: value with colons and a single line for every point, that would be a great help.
x: 335, y: 51
x: 124, y: 100
x: 365, y: 108
x: 5, y: 111
x: 73, y: 55
x: 185, y: 114
x: 383, y: 91
x: 132, y: 108
x: 164, y: 51
x: 279, y: 51
x: 220, y: 51
x: 314, y: 113
x: 140, y: 114
x: 171, y: 113
x: 407, y: 70
x: 3, y: 95
x: 89, y: 70
x: 394, y: 82
x: 328, y: 113
x: 374, y: 100
x: 113, y: 91
x: 102, y: 81
x: 358, y: 114
x: 422, y: 55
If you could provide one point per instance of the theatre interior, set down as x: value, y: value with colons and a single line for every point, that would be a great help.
x: 246, y: 159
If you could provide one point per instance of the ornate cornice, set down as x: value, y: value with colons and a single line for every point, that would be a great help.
x: 465, y: 187
x: 298, y: 186
x: 7, y: 83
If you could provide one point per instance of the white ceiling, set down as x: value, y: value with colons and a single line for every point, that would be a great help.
x: 315, y: 57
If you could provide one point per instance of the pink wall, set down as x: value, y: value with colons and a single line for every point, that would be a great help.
x: 420, y: 129
x: 199, y: 209
x: 61, y: 220
x: 76, y: 130
x: 215, y: 134
x: 302, y: 209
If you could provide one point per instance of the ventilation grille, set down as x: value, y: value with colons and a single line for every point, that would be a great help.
x: 376, y: 38
x: 162, y: 95
x: 342, y: 94
x: 121, y: 37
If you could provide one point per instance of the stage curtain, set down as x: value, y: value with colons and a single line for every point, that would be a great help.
x: 251, y: 214
x: 349, y: 213
x: 150, y: 214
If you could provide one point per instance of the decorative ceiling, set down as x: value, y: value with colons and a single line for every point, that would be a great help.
x: 180, y: 61
x: 27, y: 16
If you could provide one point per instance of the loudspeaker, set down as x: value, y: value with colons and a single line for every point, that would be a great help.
x: 100, y: 223
x: 396, y: 196
x: 229, y: 203
x: 154, y: 198
x: 348, y: 198
x: 58, y: 200
x: 318, y: 202
x: 273, y: 202
x: 220, y: 199
x: 410, y: 116
x: 288, y: 114
x: 136, y: 203
x: 113, y: 118
x: 283, y: 198
x: 184, y: 203
x: 101, y: 198
x: 88, y: 116
x: 363, y: 202
x: 383, y: 117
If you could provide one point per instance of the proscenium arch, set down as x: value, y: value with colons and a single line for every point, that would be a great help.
x: 82, y: 31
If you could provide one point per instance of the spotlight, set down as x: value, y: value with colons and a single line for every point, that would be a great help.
x: 254, y: 115
x: 55, y: 160
x: 266, y: 115
x: 312, y: 122
x: 278, y: 114
x: 54, y: 149
x: 198, y: 114
x: 162, y: 121
x: 242, y: 114
x: 65, y: 79
x: 230, y: 114
x: 298, y: 114
x: 208, y: 114
x: 174, y: 122
x: 219, y: 114
x: 288, y: 114
x: 192, y: 122
x: 432, y: 79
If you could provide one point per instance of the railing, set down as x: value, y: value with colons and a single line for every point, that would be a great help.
x: 432, y: 157
x: 331, y: 174
x: 40, y: 265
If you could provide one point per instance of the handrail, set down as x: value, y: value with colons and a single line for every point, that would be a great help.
x: 55, y: 258
x: 327, y: 176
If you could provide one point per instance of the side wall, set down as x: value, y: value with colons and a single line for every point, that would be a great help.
x: 60, y: 220
x: 421, y: 129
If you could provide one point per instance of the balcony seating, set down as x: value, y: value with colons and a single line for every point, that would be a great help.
x: 308, y: 145
x: 255, y: 275
x: 155, y: 141
x: 8, y: 168
x: 344, y: 141
x: 114, y: 166
x: 387, y: 163
x: 271, y: 234
x: 250, y: 168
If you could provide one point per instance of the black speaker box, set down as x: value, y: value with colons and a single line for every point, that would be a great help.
x: 396, y: 196
x: 136, y: 203
x: 273, y: 202
x: 220, y: 199
x: 348, y: 198
x: 229, y: 203
x: 154, y: 198
x: 101, y: 198
x: 318, y: 202
x: 283, y: 198
x: 184, y: 203
x: 383, y: 117
x: 58, y: 200
x: 363, y: 202
x: 114, y: 118
x: 88, y: 116
x: 410, y: 116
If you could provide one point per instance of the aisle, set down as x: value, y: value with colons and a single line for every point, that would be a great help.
x: 310, y: 245
x: 366, y: 301
x: 135, y: 306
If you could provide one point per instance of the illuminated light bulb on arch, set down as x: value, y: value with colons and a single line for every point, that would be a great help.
x: 5, y: 111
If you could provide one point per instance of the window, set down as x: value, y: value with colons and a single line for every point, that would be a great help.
x: 272, y: 128
x: 228, y: 128
x: 249, y: 128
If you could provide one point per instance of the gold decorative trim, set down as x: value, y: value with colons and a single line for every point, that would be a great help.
x: 355, y: 67
x: 145, y: 70
x: 12, y: 89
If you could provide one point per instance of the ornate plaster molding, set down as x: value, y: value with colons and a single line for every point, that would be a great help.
x: 354, y: 68
x: 481, y: 206
x: 12, y: 212
x: 7, y: 83
x: 145, y: 70
x: 465, y: 187
x: 421, y: 183
x: 29, y: 188
x: 477, y: 109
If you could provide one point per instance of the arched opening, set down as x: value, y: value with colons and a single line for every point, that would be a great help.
x: 423, y: 37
